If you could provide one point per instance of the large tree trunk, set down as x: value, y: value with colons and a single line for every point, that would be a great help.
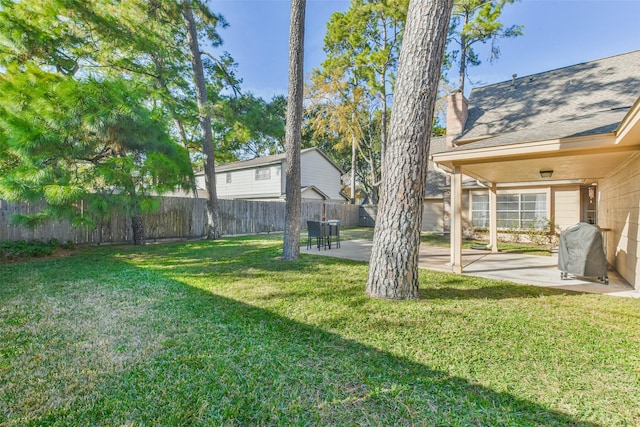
x: 137, y: 227
x: 213, y: 212
x: 383, y: 96
x: 385, y: 119
x: 393, y: 271
x: 293, y: 131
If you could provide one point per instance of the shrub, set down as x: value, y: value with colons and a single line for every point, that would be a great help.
x: 11, y: 251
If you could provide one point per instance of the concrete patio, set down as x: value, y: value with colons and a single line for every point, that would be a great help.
x: 526, y: 269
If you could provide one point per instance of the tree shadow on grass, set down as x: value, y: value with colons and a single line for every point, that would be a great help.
x: 251, y: 262
x: 223, y: 362
x: 448, y: 286
x: 238, y: 260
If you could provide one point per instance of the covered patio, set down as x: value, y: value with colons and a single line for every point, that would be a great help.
x: 502, y: 162
x: 519, y: 268
x: 566, y: 141
x: 525, y: 269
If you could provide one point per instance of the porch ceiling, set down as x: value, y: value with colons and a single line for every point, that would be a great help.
x: 584, y: 167
x: 586, y: 158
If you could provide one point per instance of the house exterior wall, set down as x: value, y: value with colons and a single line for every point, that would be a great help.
x: 433, y: 215
x: 433, y: 218
x: 565, y: 201
x: 316, y: 170
x: 467, y: 226
x: 311, y: 195
x: 619, y: 211
x: 466, y: 213
x: 244, y: 183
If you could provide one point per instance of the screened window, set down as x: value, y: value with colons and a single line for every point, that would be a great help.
x: 525, y: 211
x: 228, y: 177
x: 263, y: 174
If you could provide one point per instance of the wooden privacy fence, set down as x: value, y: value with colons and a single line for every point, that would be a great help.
x: 176, y: 218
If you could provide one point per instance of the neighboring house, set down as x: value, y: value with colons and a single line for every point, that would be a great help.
x: 556, y: 148
x: 263, y: 178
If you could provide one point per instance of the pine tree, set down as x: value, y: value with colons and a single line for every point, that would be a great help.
x: 393, y: 271
x: 293, y: 131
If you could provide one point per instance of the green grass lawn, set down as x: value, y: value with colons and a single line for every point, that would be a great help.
x: 225, y: 333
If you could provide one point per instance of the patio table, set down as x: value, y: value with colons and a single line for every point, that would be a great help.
x: 334, y: 231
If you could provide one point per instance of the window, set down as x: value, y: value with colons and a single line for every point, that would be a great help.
x: 480, y: 211
x: 228, y: 177
x: 263, y: 174
x: 523, y: 211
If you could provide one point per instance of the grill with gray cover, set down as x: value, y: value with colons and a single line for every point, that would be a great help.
x: 581, y: 253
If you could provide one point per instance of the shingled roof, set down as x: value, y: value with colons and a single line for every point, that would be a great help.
x: 258, y: 161
x: 584, y: 99
x: 436, y: 180
x: 268, y: 160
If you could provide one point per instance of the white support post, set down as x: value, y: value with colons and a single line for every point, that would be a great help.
x: 493, y: 218
x: 456, y: 219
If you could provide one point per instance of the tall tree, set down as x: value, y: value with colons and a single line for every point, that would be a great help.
x: 87, y: 147
x: 386, y: 20
x: 393, y: 271
x: 476, y: 21
x: 338, y: 103
x: 362, y: 47
x: 136, y: 40
x: 213, y: 210
x: 249, y: 127
x: 345, y: 112
x: 293, y: 131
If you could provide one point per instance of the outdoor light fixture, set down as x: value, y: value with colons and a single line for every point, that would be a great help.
x: 546, y: 174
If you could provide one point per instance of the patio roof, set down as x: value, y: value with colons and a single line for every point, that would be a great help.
x: 546, y: 100
x: 585, y: 149
x: 582, y: 122
x: 594, y: 123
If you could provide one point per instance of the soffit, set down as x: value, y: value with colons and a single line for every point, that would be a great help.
x: 583, y: 167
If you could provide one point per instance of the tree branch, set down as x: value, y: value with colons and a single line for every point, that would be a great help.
x: 230, y: 80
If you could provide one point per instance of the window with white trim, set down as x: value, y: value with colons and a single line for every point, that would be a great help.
x: 517, y: 211
x: 228, y: 177
x: 263, y: 174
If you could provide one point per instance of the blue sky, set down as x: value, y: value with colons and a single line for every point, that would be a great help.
x: 557, y: 33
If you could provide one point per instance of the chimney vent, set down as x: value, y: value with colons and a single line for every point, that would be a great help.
x: 513, y: 80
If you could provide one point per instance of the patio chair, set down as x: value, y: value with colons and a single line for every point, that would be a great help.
x: 319, y: 231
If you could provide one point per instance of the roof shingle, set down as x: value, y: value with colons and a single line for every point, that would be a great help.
x: 568, y: 101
